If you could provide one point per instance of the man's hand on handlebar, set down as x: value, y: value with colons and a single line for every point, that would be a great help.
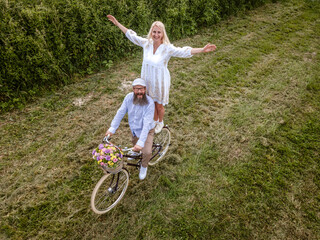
x: 109, y: 133
x: 137, y: 148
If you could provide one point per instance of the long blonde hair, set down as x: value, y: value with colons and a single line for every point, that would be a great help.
x: 160, y: 25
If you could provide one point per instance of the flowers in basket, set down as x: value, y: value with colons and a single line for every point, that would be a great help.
x: 108, y: 156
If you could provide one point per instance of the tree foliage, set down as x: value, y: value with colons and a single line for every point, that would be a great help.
x: 43, y: 44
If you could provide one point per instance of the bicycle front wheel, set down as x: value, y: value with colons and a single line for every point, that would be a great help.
x: 160, y: 145
x: 109, y: 191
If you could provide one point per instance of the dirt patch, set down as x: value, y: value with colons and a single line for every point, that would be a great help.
x: 309, y: 57
x: 82, y: 101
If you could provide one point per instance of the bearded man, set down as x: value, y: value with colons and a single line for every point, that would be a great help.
x: 140, y: 109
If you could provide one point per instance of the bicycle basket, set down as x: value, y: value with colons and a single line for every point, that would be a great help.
x: 109, y: 157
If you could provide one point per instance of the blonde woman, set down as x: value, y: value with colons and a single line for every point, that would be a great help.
x: 157, y: 51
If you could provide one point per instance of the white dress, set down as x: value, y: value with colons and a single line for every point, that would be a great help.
x: 155, y: 66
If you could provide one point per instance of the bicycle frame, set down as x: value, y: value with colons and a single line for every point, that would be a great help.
x: 135, y: 157
x: 112, y: 186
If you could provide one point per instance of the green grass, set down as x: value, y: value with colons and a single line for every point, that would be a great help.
x: 244, y: 159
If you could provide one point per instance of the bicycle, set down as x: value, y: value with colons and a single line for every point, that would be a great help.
x: 112, y: 186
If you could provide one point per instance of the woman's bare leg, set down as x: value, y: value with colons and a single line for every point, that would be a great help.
x: 156, y: 116
x: 160, y: 111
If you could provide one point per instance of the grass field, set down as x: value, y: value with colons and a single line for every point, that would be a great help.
x: 244, y: 161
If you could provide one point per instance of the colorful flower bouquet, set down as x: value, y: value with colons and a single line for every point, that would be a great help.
x: 109, y: 157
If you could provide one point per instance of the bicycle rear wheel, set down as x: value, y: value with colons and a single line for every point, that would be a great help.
x: 109, y: 191
x: 160, y: 145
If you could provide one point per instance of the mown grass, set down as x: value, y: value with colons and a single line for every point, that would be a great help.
x: 244, y: 159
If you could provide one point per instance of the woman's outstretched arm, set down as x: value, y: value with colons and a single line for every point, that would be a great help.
x: 208, y: 48
x: 115, y: 22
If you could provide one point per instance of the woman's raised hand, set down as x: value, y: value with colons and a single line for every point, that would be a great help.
x: 112, y: 19
x: 115, y: 22
x: 209, y: 48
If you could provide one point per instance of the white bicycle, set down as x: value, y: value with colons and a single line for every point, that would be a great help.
x: 112, y: 186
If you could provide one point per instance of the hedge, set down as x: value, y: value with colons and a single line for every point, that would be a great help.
x: 43, y: 44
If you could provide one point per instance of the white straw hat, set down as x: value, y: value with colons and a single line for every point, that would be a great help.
x: 139, y: 81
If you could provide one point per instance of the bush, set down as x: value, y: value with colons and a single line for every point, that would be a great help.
x: 44, y: 43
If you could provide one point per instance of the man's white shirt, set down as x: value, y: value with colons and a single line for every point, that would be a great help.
x: 140, y: 118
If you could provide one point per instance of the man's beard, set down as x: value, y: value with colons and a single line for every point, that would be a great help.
x: 140, y: 101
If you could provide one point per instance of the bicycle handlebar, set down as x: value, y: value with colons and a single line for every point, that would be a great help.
x: 106, y: 139
x: 130, y: 151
